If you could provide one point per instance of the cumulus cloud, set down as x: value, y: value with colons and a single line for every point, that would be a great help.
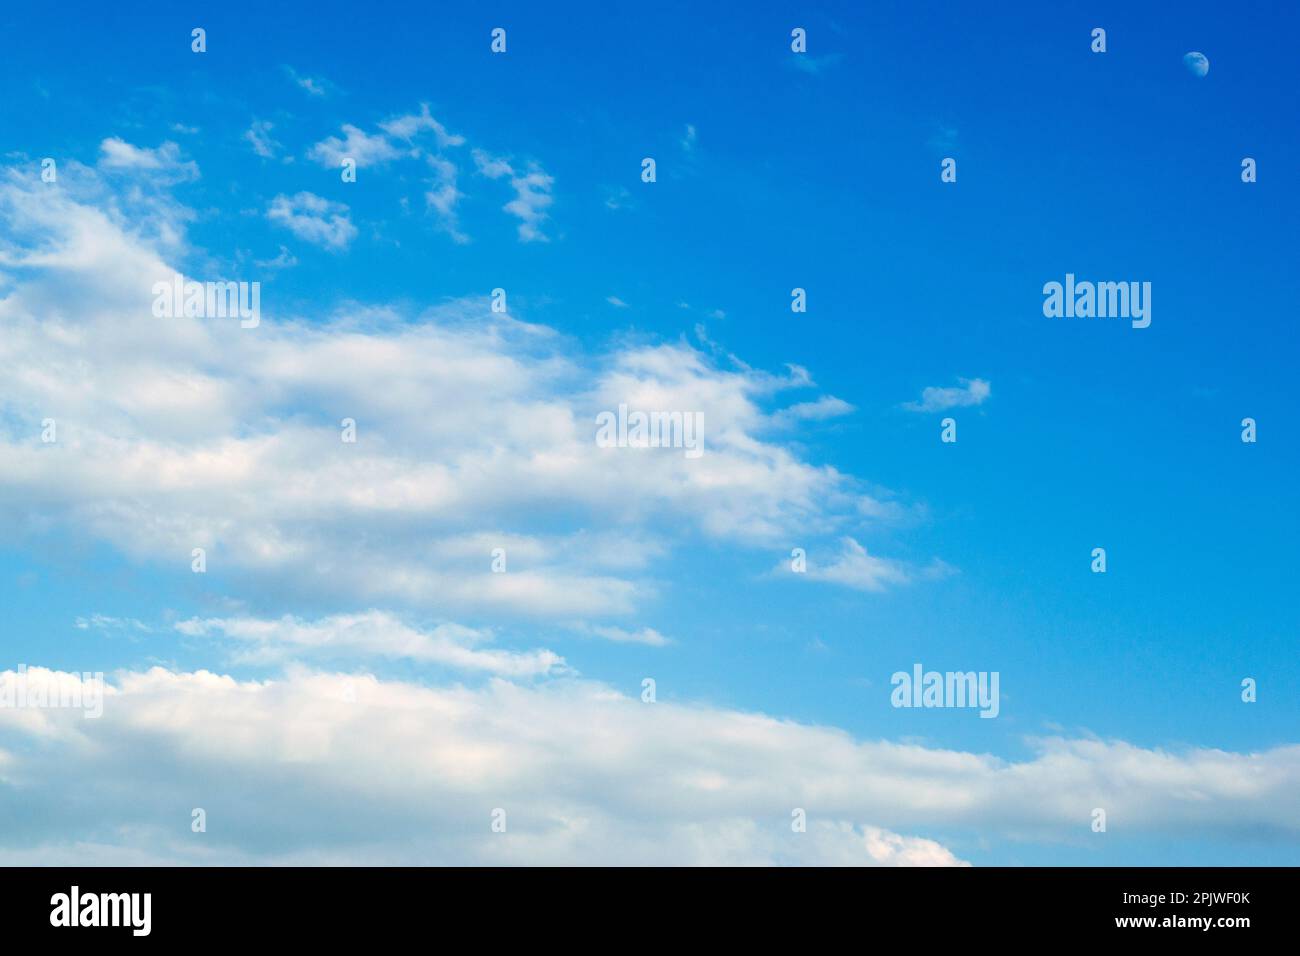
x: 314, y: 219
x: 182, y: 433
x: 972, y: 391
x: 357, y: 145
x: 355, y: 769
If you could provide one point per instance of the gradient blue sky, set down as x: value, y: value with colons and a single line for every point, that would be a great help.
x: 776, y: 172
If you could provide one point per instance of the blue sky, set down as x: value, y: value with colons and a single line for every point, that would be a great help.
x: 775, y: 170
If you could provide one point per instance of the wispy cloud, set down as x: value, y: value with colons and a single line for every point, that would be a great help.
x: 103, y: 622
x: 618, y: 197
x: 646, y: 635
x: 443, y: 196
x: 944, y: 139
x: 853, y: 567
x: 370, y: 634
x: 316, y: 86
x: 258, y: 136
x: 828, y: 406
x: 970, y: 391
x: 410, y: 126
x: 813, y: 64
x: 284, y: 260
x: 532, y: 193
x: 420, y: 136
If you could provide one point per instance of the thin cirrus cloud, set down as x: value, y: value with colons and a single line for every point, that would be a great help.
x: 443, y: 196
x: 823, y: 409
x: 283, y: 260
x: 372, y: 633
x: 312, y: 85
x: 816, y: 64
x: 619, y: 635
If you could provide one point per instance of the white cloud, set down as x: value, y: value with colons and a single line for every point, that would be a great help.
x: 368, y: 635
x: 103, y: 622
x: 314, y: 219
x: 646, y: 635
x: 828, y: 406
x: 532, y: 193
x: 355, y: 769
x: 404, y: 137
x: 853, y: 567
x: 184, y: 433
x: 118, y: 155
x: 358, y: 146
x: 973, y: 391
x: 616, y: 302
x: 410, y: 126
x: 399, y: 140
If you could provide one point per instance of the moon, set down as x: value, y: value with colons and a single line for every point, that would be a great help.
x: 1198, y: 63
